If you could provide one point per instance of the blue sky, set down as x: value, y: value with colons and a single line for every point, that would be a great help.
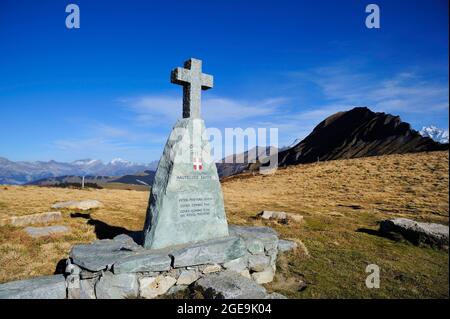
x: 103, y: 91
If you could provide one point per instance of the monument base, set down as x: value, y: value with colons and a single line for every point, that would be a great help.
x: 227, y: 267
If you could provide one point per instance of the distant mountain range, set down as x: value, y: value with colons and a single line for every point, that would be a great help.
x: 25, y: 172
x: 355, y: 133
x: 437, y: 134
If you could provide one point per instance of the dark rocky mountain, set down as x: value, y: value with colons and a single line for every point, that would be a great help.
x: 358, y: 133
x: 238, y: 163
x: 146, y: 178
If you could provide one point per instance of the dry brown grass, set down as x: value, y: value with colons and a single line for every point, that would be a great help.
x: 337, y: 198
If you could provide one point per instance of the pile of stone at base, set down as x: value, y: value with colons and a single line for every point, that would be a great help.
x: 230, y: 267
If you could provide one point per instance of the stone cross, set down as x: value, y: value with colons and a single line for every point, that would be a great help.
x: 193, y: 81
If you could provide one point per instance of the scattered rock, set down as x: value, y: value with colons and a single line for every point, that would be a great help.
x: 267, y: 214
x: 87, y: 288
x: 237, y: 265
x: 245, y: 273
x: 47, y: 287
x: 78, y: 205
x: 258, y: 262
x: 176, y: 289
x: 275, y: 295
x: 152, y: 287
x: 119, y: 286
x: 37, y: 232
x: 286, y: 245
x: 26, y: 220
x: 214, y: 251
x: 417, y: 232
x: 187, y: 277
x: 255, y: 246
x: 228, y: 285
x: 208, y: 269
x: 73, y: 287
x: 263, y: 277
x: 280, y: 216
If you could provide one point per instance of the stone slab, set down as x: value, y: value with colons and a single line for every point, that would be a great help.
x: 47, y: 287
x: 119, y: 286
x: 214, y: 251
x: 102, y: 254
x: 19, y: 221
x: 229, y: 285
x: 142, y: 261
x: 417, y: 232
x: 37, y: 232
x: 78, y: 205
x: 186, y: 202
x: 267, y: 235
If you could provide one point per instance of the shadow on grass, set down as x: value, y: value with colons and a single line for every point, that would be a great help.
x: 105, y: 231
x: 391, y: 235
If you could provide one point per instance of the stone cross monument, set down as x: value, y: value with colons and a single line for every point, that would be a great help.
x: 186, y: 203
x: 193, y: 81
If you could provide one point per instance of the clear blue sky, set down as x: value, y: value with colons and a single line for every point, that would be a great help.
x: 103, y: 91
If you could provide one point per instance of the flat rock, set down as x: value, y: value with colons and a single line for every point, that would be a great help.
x: 279, y: 216
x: 275, y: 295
x: 26, y: 220
x: 266, y: 214
x: 258, y: 262
x: 267, y: 235
x: 102, y: 254
x: 254, y: 246
x: 37, y: 232
x: 142, y: 261
x: 238, y: 265
x: 263, y: 277
x: 214, y: 251
x: 78, y: 205
x: 152, y: 287
x: 417, y: 232
x: 119, y: 286
x: 208, y: 269
x: 87, y: 288
x: 286, y: 245
x: 187, y: 277
x: 47, y: 287
x: 228, y: 285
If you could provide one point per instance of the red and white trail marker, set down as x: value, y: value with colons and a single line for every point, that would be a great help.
x: 198, y: 166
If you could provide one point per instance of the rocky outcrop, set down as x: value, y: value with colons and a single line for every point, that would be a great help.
x: 417, y: 232
x: 357, y: 133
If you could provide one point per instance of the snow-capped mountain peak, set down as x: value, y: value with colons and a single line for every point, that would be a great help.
x: 119, y: 161
x: 437, y: 134
x: 85, y: 162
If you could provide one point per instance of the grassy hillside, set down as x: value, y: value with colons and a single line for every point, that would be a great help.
x: 340, y: 200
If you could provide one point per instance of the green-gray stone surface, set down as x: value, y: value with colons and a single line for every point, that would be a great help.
x: 47, y: 287
x: 186, y: 204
